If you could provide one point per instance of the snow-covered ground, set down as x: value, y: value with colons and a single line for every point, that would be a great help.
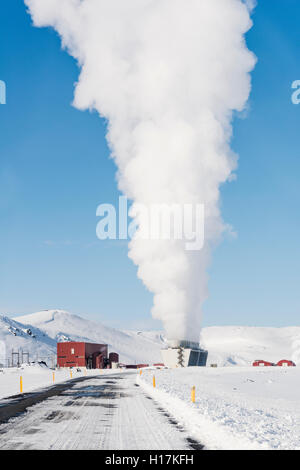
x: 102, y: 413
x: 36, y: 376
x: 241, y: 345
x: 235, y: 408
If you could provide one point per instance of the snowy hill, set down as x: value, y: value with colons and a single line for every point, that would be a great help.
x: 241, y: 345
x: 16, y: 336
x: 38, y: 333
x: 64, y: 326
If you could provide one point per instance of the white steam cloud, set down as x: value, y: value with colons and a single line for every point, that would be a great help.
x: 167, y: 75
x: 296, y: 350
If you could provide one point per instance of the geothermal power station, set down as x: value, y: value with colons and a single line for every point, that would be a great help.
x: 179, y: 353
x: 183, y: 353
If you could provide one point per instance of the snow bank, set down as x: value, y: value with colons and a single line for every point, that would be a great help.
x: 37, y: 376
x: 236, y: 408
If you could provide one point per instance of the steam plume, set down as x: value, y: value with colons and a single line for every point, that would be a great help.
x: 167, y: 75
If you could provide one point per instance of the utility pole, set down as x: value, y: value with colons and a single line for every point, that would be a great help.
x: 13, y: 354
x: 26, y: 354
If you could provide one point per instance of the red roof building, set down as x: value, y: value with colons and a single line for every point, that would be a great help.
x: 286, y: 363
x: 261, y: 363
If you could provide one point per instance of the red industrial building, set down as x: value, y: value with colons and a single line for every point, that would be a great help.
x: 113, y: 357
x: 286, y: 363
x: 261, y: 363
x: 90, y: 355
x: 283, y: 363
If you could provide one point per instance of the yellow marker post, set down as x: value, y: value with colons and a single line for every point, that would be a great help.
x: 193, y: 394
x: 70, y: 373
x: 154, y: 384
x: 53, y: 377
x: 21, y: 384
x: 140, y: 371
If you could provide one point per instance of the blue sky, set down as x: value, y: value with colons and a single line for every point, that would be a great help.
x: 55, y: 170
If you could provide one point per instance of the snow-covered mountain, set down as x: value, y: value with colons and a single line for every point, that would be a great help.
x: 60, y: 325
x: 241, y: 345
x: 15, y: 336
x: 39, y: 332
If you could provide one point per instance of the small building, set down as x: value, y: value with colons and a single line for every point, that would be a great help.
x: 286, y: 363
x: 261, y: 363
x: 80, y: 354
x: 183, y: 353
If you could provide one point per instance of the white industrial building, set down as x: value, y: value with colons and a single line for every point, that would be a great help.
x: 181, y: 353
